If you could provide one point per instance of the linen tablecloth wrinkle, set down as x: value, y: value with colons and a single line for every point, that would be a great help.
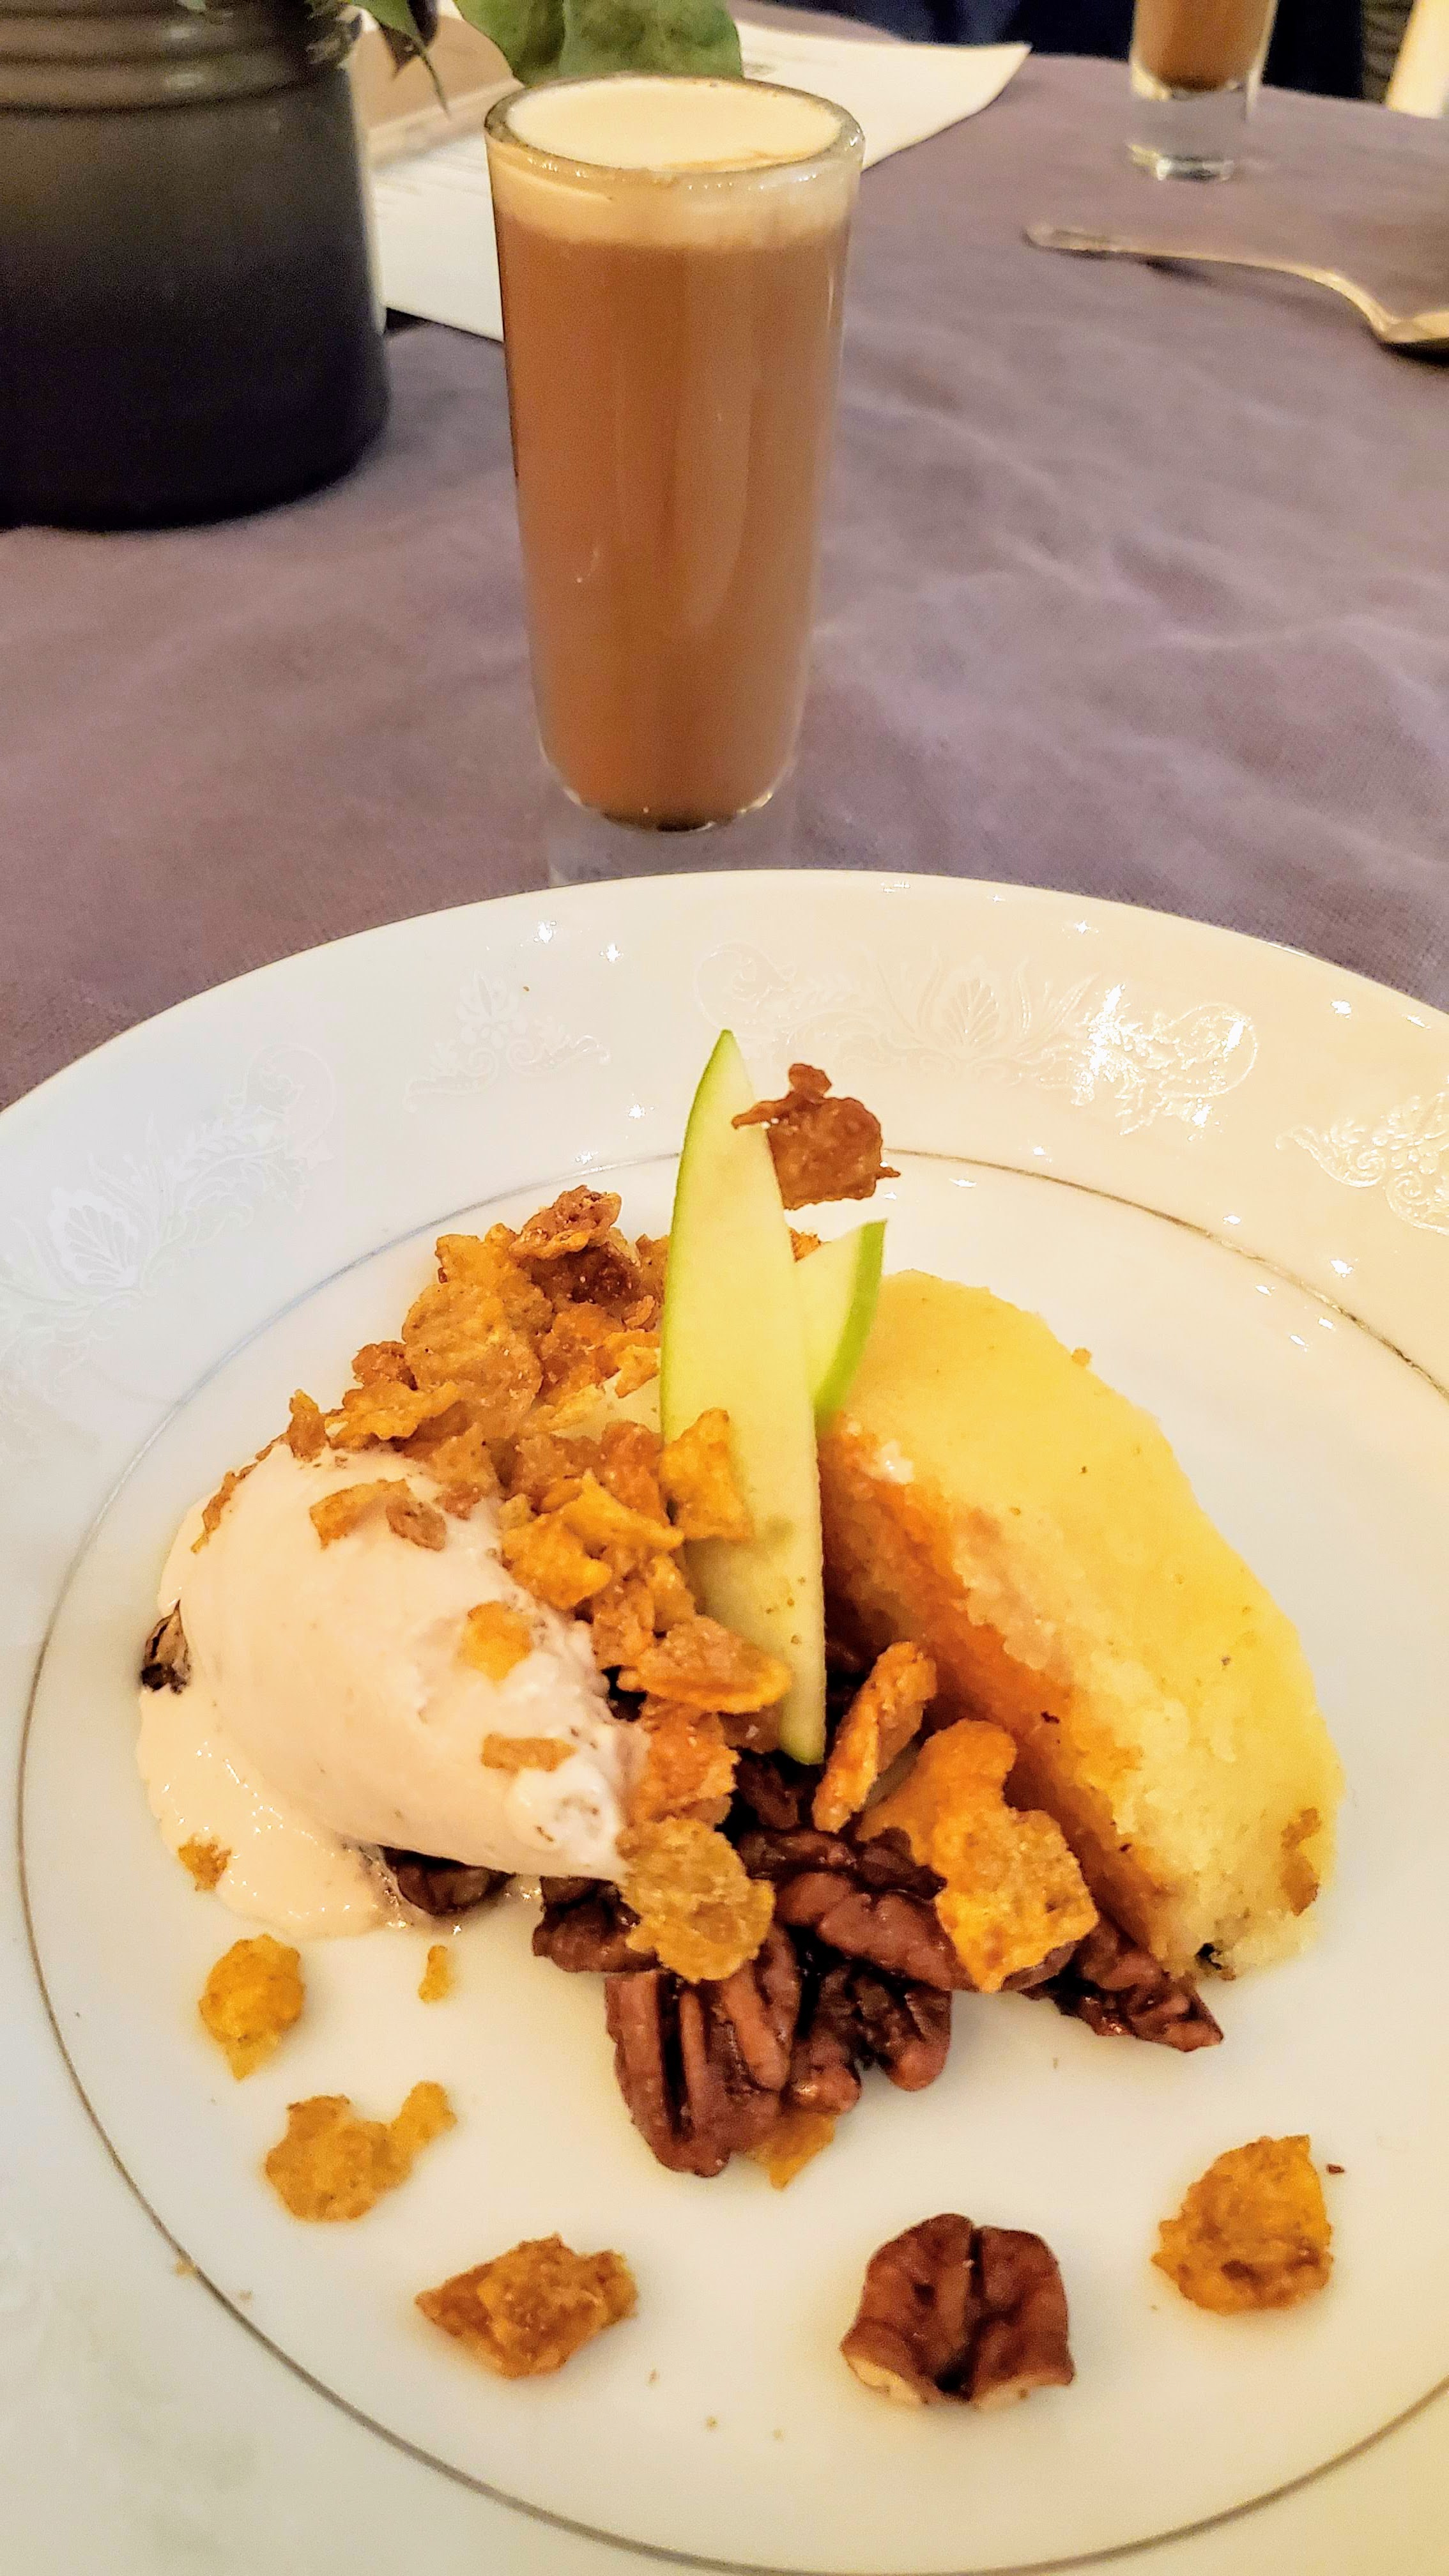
x: 1135, y: 583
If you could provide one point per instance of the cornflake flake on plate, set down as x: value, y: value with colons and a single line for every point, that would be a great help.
x: 251, y: 1999
x: 794, y: 2142
x: 1253, y: 2231
x: 332, y: 2165
x: 436, y: 1983
x: 530, y: 2310
x: 204, y: 1861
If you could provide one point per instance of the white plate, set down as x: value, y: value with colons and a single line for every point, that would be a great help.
x: 1226, y: 1169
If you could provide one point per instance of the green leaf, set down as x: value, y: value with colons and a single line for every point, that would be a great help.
x: 585, y: 39
x: 405, y: 36
x: 649, y: 36
x: 528, y: 33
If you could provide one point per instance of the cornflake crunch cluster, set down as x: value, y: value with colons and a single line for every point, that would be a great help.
x: 204, y: 1861
x: 880, y: 1722
x: 699, y: 1912
x: 1253, y: 2232
x: 823, y: 1148
x: 530, y: 2310
x: 251, y: 1999
x: 487, y: 1389
x: 332, y: 2165
x: 1013, y: 1892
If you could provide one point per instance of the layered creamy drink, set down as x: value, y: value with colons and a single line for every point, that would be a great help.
x: 672, y: 255
x: 1199, y: 44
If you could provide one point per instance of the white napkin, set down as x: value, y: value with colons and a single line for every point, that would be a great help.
x: 434, y: 215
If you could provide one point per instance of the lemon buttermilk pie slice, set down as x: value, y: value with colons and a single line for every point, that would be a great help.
x: 988, y: 1497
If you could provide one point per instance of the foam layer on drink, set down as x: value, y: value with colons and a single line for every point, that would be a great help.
x: 659, y: 161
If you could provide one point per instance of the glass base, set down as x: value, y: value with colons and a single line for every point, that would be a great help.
x: 582, y: 847
x: 1188, y: 133
x: 1180, y: 165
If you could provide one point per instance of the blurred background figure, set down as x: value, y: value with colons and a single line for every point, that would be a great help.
x: 1317, y: 44
x: 1384, y: 22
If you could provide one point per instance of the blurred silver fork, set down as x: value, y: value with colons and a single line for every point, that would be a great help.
x: 1424, y: 333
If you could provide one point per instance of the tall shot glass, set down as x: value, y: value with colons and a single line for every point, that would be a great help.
x: 1196, y: 67
x: 672, y: 256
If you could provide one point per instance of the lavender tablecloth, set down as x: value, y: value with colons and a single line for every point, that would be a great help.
x: 1135, y: 583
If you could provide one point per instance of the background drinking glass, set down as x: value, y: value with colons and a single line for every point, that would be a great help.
x: 1196, y: 67
x: 672, y: 257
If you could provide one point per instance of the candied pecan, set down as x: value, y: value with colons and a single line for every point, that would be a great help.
x: 762, y: 2003
x: 441, y: 1886
x: 885, y: 1862
x: 166, y: 1656
x: 822, y: 1148
x: 1120, y: 1992
x: 690, y: 2059
x: 823, y: 2062
x: 857, y: 2017
x: 949, y: 2310
x: 899, y: 1933
x: 765, y: 1787
x: 783, y: 1855
x: 906, y: 2028
x: 584, y: 1929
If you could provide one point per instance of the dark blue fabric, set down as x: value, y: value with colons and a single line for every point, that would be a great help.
x: 1317, y: 44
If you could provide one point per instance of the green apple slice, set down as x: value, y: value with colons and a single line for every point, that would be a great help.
x: 838, y: 1287
x: 733, y: 1335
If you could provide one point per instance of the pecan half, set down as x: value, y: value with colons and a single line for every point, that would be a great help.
x: 901, y: 1934
x: 585, y: 1927
x: 166, y: 1656
x: 949, y: 2310
x: 884, y: 1862
x: 441, y: 1886
x: 827, y: 2050
x: 869, y: 1902
x: 702, y: 2068
x: 906, y: 2028
x: 766, y: 1789
x: 856, y: 2018
x: 1120, y: 1992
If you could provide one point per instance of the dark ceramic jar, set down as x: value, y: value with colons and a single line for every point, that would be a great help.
x: 186, y: 317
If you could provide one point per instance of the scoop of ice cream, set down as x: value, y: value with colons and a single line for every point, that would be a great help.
x: 328, y: 1684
